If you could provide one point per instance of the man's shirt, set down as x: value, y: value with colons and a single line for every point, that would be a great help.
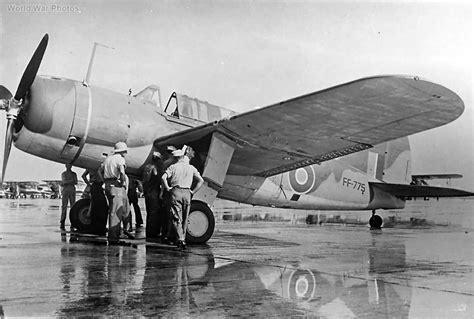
x: 68, y: 178
x: 112, y: 165
x: 181, y: 174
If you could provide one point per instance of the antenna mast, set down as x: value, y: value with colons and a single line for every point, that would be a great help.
x: 85, y: 82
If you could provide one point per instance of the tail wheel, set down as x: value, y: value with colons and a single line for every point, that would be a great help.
x: 201, y: 223
x: 375, y: 221
x: 79, y: 215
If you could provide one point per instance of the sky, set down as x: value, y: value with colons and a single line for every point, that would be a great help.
x: 247, y: 54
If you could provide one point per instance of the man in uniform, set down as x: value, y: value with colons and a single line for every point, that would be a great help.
x: 98, y: 206
x: 178, y: 180
x: 112, y: 172
x: 133, y: 200
x: 68, y: 192
x: 151, y: 190
x: 169, y: 236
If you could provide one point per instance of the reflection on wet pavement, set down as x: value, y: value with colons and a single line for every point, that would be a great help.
x: 156, y: 282
x: 248, y: 269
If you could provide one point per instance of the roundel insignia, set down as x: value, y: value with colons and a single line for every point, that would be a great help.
x: 302, y: 285
x: 301, y: 179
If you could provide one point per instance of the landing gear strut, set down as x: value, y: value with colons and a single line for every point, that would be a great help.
x: 375, y: 221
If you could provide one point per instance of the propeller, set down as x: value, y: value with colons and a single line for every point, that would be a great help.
x: 14, y: 104
x: 5, y: 94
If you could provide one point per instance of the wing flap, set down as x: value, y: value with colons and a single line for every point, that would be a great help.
x: 327, y: 124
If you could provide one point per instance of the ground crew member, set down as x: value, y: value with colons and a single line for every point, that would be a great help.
x: 169, y: 236
x: 151, y: 190
x: 178, y: 180
x: 88, y: 180
x: 127, y: 220
x: 98, y: 206
x: 133, y: 200
x: 112, y: 172
x: 68, y: 192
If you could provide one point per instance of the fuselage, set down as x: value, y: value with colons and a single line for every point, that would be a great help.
x: 331, y: 185
x: 68, y: 122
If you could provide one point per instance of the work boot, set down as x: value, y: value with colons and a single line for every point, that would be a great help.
x: 181, y: 245
x: 128, y: 234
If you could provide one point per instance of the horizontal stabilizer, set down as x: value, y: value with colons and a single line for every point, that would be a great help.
x: 401, y: 190
x: 437, y: 176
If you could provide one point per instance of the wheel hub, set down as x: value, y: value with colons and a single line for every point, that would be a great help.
x: 84, y: 216
x: 197, y: 223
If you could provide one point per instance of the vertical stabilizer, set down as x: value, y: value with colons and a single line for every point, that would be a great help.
x: 389, y: 162
x: 375, y: 165
x: 397, y: 166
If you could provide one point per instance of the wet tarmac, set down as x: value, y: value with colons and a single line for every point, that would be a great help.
x: 261, y: 269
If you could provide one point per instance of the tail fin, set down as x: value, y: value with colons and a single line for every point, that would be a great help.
x: 388, y: 162
x: 397, y: 166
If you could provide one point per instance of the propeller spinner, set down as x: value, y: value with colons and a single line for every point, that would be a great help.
x: 13, y: 104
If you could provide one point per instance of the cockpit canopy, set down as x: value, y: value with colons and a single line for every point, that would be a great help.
x: 188, y: 108
x: 151, y: 93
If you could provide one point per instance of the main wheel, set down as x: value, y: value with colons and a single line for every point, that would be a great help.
x: 201, y: 223
x: 79, y: 215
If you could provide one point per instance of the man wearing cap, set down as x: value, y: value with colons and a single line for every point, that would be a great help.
x: 169, y: 235
x: 112, y: 172
x: 178, y: 180
x: 151, y: 190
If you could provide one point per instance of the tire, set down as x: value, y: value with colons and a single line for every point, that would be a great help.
x: 375, y: 222
x: 201, y: 223
x: 78, y: 216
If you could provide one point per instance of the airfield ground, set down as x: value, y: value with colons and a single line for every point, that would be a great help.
x: 278, y: 267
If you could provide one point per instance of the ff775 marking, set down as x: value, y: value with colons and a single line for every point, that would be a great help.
x: 353, y: 184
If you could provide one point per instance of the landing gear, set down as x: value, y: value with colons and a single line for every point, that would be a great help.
x: 375, y: 221
x: 79, y: 215
x: 201, y: 223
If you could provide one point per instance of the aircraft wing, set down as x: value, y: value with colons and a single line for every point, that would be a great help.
x: 401, y: 190
x: 327, y: 124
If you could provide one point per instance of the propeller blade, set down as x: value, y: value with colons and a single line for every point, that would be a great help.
x: 31, y: 69
x: 8, y: 145
x: 5, y: 94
